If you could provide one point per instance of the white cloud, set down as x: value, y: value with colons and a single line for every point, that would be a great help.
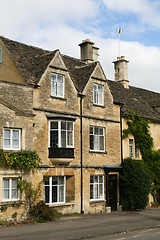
x: 147, y: 11
x: 52, y: 24
x: 143, y: 66
x: 19, y: 17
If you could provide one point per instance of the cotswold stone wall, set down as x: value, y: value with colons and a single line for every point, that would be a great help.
x: 107, y: 116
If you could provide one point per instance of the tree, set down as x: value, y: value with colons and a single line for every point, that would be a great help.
x: 134, y: 185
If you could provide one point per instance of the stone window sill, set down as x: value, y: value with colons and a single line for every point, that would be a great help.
x: 61, y: 204
x: 92, y: 151
x: 96, y: 105
x: 60, y: 98
x: 97, y: 201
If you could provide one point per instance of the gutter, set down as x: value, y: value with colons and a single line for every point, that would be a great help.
x: 81, y: 165
x: 121, y: 115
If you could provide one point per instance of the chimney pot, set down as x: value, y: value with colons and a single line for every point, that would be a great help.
x: 89, y: 52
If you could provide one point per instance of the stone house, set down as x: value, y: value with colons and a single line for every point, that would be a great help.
x: 72, y: 115
x: 145, y: 103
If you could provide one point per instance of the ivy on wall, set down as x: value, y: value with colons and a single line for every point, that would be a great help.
x: 139, y: 128
x: 20, y: 159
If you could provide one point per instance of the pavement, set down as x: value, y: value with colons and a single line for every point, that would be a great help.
x: 85, y: 226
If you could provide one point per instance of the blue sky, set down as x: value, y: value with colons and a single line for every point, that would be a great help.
x: 63, y: 24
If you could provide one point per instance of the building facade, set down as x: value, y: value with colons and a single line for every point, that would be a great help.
x: 73, y: 116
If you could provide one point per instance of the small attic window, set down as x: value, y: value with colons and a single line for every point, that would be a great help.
x: 0, y: 55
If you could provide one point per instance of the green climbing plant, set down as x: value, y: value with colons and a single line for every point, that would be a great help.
x: 20, y: 159
x: 139, y: 128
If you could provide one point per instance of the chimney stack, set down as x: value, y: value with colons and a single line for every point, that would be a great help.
x: 89, y: 53
x: 121, y: 71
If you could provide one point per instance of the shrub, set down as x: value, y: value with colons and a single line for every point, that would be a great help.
x: 43, y: 213
x: 134, y: 185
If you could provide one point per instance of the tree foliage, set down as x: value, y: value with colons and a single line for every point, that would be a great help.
x: 139, y: 128
x: 134, y: 185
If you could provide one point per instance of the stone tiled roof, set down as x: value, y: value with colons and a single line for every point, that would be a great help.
x: 33, y: 61
x: 136, y: 99
x: 80, y: 72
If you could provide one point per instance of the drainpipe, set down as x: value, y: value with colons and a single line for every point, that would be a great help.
x: 121, y: 114
x: 81, y: 128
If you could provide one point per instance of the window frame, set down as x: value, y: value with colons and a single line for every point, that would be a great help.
x: 96, y: 94
x: 136, y: 149
x: 58, y: 190
x: 59, y: 133
x: 131, y: 148
x: 97, y: 150
x: 56, y: 83
x: 97, y: 185
x: 10, y: 188
x: 11, y: 139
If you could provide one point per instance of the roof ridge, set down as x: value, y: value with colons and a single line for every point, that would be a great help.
x: 24, y: 44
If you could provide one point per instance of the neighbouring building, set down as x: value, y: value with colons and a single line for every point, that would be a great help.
x: 72, y: 115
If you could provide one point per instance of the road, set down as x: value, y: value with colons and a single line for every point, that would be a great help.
x: 115, y: 225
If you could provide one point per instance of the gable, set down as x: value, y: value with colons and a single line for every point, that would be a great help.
x: 8, y: 70
x: 98, y: 73
x: 43, y: 97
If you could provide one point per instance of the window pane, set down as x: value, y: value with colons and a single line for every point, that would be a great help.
x: 95, y: 191
x: 5, y: 183
x: 7, y: 140
x: 63, y: 139
x: 100, y: 94
x: 14, y: 183
x: 63, y: 125
x: 54, y: 125
x: 91, y: 130
x: 131, y: 148
x: 61, y: 194
x: 91, y: 192
x: 54, y: 194
x: 101, y: 142
x: 96, y: 145
x: 54, y: 138
x: 101, y: 131
x: 5, y: 194
x: 14, y: 194
x: 7, y: 134
x: 96, y: 130
x: 136, y: 150
x: 91, y: 179
x: 60, y: 86
x: 70, y: 126
x: 100, y: 191
x: 61, y: 180
x: 7, y: 143
x: 47, y: 194
x: 101, y: 179
x: 54, y: 180
x: 69, y: 139
x: 15, y: 143
x: 54, y: 88
x: 91, y: 142
x: 46, y: 180
x: 95, y: 179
